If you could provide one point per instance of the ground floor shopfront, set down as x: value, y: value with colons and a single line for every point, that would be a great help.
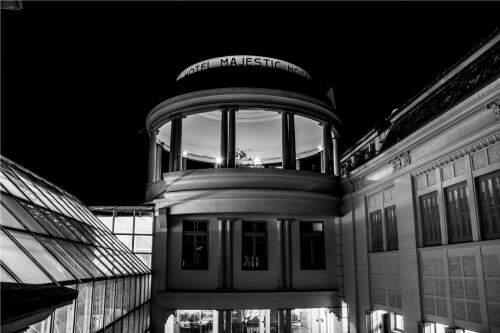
x: 315, y: 320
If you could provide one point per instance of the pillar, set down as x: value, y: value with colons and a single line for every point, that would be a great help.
x: 291, y: 140
x: 285, y: 143
x: 159, y: 157
x: 152, y: 156
x: 178, y: 144
x: 297, y: 164
x: 171, y: 155
x: 229, y: 254
x: 223, y: 138
x: 231, y: 139
x: 336, y: 157
x: 327, y: 149
x: 284, y: 320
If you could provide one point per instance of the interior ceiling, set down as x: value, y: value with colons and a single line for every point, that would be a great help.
x: 258, y: 134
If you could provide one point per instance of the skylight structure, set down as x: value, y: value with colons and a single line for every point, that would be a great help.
x: 48, y: 237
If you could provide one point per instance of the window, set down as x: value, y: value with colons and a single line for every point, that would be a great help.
x: 376, y: 231
x: 312, y: 245
x: 397, y: 322
x: 457, y: 213
x: 431, y: 231
x: 488, y: 191
x: 254, y: 246
x: 391, y: 228
x: 195, y: 245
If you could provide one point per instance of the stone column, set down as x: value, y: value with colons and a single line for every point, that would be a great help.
x: 327, y: 148
x: 223, y: 139
x: 159, y: 157
x: 231, y: 139
x: 227, y: 321
x: 336, y: 157
x: 229, y: 254
x: 152, y: 156
x: 171, y: 155
x: 178, y: 144
x: 285, y: 141
x: 291, y: 139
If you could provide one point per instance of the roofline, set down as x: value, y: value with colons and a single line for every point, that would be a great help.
x: 447, y: 75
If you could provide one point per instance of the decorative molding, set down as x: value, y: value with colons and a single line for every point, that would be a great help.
x: 472, y: 148
x: 380, y: 190
x: 494, y: 106
x: 401, y: 161
x: 353, y: 185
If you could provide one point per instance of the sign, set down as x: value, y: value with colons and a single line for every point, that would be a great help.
x: 243, y: 61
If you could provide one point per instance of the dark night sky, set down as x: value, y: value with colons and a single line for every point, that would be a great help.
x: 78, y: 79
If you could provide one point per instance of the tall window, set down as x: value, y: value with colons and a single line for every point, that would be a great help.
x: 431, y: 231
x: 376, y: 231
x: 391, y: 228
x: 195, y: 245
x: 254, y: 246
x: 312, y: 245
x: 457, y: 213
x: 488, y: 191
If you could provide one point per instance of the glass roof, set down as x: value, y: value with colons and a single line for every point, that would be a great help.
x: 49, y: 236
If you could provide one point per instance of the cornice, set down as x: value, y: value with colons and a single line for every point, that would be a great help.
x: 469, y: 149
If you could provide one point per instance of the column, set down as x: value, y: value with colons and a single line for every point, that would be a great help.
x: 171, y: 155
x: 231, y: 139
x: 327, y: 148
x: 336, y: 157
x: 297, y: 164
x: 152, y: 156
x: 288, y: 320
x: 285, y: 144
x: 218, y: 323
x: 223, y: 139
x: 159, y: 156
x: 291, y: 139
x: 178, y: 145
x: 229, y: 254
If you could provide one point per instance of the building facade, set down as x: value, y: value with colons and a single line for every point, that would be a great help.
x: 420, y: 220
x: 244, y: 185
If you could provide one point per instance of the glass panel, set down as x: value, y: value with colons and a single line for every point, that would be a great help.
x: 41, y: 219
x: 111, y: 257
x: 82, y: 259
x: 41, y: 327
x: 107, y: 221
x: 22, y: 215
x: 144, y: 224
x: 10, y: 186
x: 70, y: 263
x: 109, y: 302
x: 124, y: 224
x: 42, y: 194
x: 84, y: 302
x: 39, y: 200
x: 93, y: 254
x: 63, y: 318
x: 69, y: 209
x: 138, y: 291
x: 126, y: 239
x: 19, y: 263
x: 5, y: 276
x: 126, y: 295
x: 98, y: 306
x: 44, y: 258
x: 53, y: 222
x: 26, y: 191
x: 6, y: 219
x: 143, y: 243
x: 146, y: 258
x: 118, y: 305
x: 312, y: 245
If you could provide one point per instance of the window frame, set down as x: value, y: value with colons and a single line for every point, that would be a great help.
x: 310, y: 266
x: 421, y: 198
x: 452, y: 216
x: 254, y: 234
x: 389, y: 221
x: 373, y: 214
x: 480, y: 203
x: 195, y: 234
